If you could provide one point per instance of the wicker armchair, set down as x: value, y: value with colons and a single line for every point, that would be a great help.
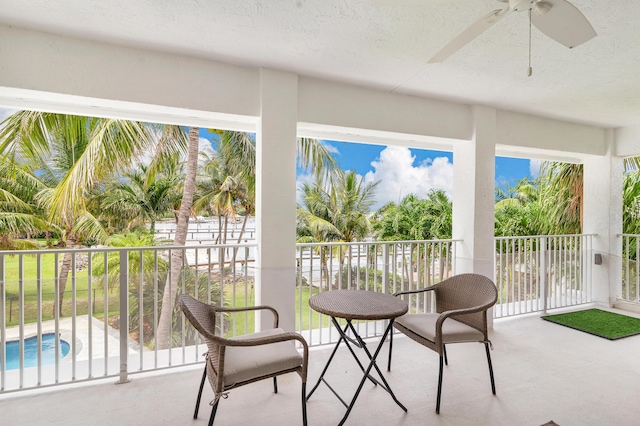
x: 241, y: 360
x: 463, y: 301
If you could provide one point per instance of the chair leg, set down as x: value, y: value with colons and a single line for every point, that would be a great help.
x: 204, y: 377
x: 213, y: 412
x: 390, y: 349
x: 493, y: 384
x: 304, y: 404
x: 444, y: 349
x: 439, y: 386
x: 275, y: 385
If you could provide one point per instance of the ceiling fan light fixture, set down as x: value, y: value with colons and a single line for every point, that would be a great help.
x: 542, y: 8
x: 521, y: 5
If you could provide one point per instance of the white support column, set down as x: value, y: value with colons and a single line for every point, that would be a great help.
x: 276, y: 197
x: 603, y: 185
x: 473, y: 195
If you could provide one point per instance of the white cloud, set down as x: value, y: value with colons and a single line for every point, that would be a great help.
x: 399, y: 176
x: 332, y: 149
x: 301, y: 180
x: 534, y: 168
x: 204, y: 145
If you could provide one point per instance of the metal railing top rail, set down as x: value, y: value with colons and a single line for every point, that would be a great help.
x: 545, y: 236
x: 375, y: 242
x: 113, y: 249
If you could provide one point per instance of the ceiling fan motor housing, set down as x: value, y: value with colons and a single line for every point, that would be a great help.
x: 522, y: 5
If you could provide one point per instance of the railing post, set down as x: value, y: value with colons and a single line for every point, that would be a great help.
x: 3, y: 323
x: 124, y: 315
x: 385, y: 268
x: 543, y: 272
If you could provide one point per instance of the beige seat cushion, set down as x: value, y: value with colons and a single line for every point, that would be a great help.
x: 452, y: 330
x: 248, y: 362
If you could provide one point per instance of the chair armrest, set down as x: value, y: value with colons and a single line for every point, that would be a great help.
x: 265, y: 340
x: 472, y: 310
x: 253, y: 308
x: 401, y: 293
x: 455, y: 312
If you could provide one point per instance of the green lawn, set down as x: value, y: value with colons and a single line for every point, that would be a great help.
x: 244, y: 322
x: 29, y: 283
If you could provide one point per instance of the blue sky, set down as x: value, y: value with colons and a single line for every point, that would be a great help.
x: 403, y: 171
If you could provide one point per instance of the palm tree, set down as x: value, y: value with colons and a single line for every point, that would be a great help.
x: 415, y: 218
x: 631, y: 203
x: 562, y: 197
x: 335, y: 211
x: 72, y: 153
x: 142, y: 197
x: 524, y: 191
x: 518, y: 209
x: 20, y: 215
x: 163, y: 336
x: 227, y: 181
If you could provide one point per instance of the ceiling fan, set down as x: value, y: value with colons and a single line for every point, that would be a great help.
x: 558, y: 19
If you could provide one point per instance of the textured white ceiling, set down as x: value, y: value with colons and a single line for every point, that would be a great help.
x: 381, y: 43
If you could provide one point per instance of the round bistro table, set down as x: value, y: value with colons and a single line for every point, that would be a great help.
x: 358, y: 305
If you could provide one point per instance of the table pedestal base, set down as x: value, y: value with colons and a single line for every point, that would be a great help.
x: 359, y: 343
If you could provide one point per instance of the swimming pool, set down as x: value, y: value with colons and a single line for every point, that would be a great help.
x: 31, y: 351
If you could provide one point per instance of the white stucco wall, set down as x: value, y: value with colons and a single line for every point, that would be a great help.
x: 39, y: 68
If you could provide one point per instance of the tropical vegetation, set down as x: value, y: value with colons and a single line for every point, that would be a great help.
x: 69, y: 181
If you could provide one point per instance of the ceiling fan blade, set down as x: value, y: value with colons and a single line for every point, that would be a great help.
x: 469, y: 34
x: 563, y: 22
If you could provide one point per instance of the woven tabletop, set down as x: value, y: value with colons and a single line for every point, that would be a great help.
x: 358, y: 304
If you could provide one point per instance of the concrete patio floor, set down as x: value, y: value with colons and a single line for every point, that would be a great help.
x: 543, y: 372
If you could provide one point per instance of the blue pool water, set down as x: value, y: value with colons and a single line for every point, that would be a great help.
x: 31, y: 351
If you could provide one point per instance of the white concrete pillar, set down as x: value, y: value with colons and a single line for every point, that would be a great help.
x: 276, y: 197
x: 473, y: 195
x: 603, y: 185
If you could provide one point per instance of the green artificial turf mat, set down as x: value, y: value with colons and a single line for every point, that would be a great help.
x: 599, y: 323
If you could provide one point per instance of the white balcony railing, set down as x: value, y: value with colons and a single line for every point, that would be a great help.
x: 543, y: 272
x: 628, y: 291
x: 386, y: 267
x: 104, y: 324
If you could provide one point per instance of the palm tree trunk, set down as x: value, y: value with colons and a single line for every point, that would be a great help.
x: 70, y: 244
x: 235, y: 249
x: 163, y: 336
x: 244, y: 225
x: 219, y: 239
x: 226, y: 227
